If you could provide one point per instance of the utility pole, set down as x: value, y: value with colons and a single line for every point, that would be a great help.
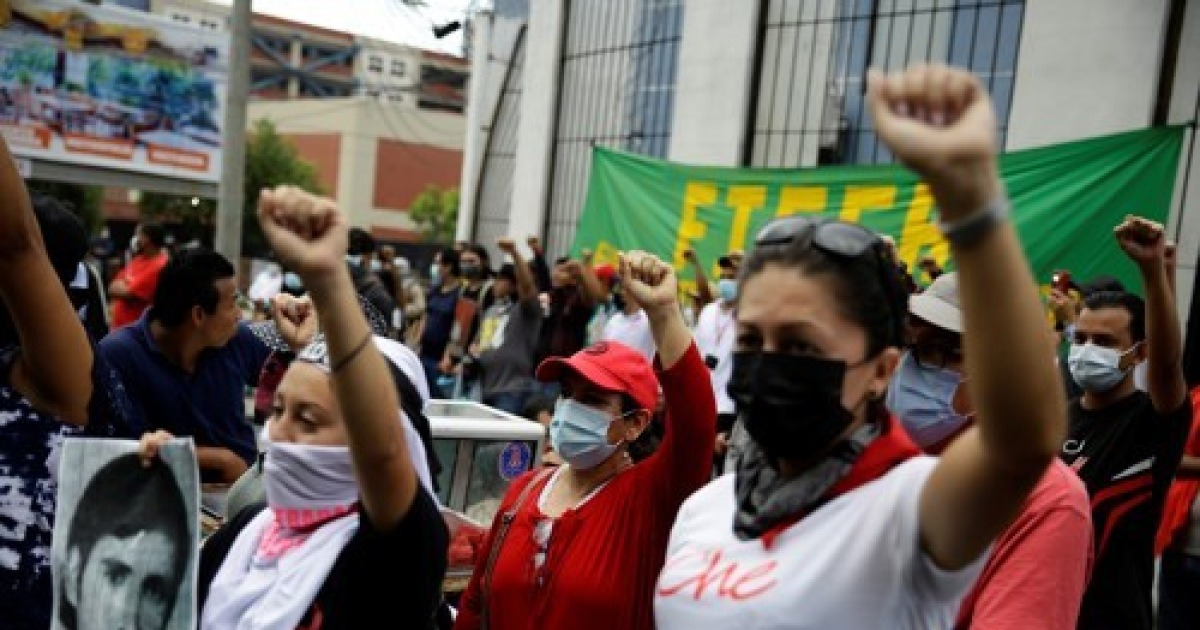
x: 229, y: 207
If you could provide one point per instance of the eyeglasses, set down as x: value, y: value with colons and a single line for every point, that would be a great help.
x: 844, y: 240
x: 935, y: 355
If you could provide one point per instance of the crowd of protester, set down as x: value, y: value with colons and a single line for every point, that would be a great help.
x: 817, y: 437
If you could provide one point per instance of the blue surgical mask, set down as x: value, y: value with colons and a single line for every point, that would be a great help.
x: 354, y: 259
x: 727, y: 288
x: 922, y: 397
x: 435, y: 274
x: 376, y: 266
x: 1095, y: 368
x: 579, y: 434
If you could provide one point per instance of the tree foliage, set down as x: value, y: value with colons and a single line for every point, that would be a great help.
x: 435, y: 210
x: 271, y: 160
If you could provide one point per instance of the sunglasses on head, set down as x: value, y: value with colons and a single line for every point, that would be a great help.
x: 843, y: 240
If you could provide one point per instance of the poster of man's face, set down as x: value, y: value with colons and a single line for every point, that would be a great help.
x: 125, y: 537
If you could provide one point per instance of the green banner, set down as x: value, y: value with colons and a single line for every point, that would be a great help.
x: 1066, y: 200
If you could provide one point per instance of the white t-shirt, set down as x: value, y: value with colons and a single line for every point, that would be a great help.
x: 856, y: 563
x: 631, y: 330
x: 716, y: 331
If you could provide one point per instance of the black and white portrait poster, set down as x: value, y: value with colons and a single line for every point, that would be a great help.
x: 126, y: 538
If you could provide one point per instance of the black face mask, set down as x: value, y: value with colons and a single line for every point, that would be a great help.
x: 473, y: 272
x: 790, y: 405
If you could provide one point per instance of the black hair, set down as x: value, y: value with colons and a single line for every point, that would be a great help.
x: 359, y: 242
x: 155, y: 233
x: 1132, y: 304
x: 482, y: 253
x: 868, y: 288
x: 1101, y: 284
x: 536, y: 406
x: 189, y: 280
x: 561, y: 260
x: 507, y: 272
x: 449, y: 256
x: 725, y: 262
x: 66, y: 243
x: 648, y: 440
x: 121, y: 500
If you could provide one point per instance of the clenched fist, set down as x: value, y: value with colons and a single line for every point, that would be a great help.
x: 650, y: 281
x: 307, y: 232
x: 939, y: 122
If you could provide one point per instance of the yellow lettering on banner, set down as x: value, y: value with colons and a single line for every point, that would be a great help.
x: 691, y: 228
x: 920, y: 232
x: 744, y: 200
x: 860, y: 198
x: 793, y: 199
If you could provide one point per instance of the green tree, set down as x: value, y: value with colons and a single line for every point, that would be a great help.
x: 435, y: 210
x: 271, y: 160
x: 84, y: 199
x: 194, y: 216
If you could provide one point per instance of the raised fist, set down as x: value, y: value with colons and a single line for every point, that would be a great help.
x: 650, y: 281
x: 1142, y: 240
x: 506, y: 245
x: 939, y: 122
x: 307, y: 232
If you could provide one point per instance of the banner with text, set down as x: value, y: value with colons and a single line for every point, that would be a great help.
x: 111, y: 87
x: 1066, y: 200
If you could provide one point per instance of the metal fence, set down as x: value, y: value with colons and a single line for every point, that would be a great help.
x: 809, y: 105
x: 616, y: 89
x: 494, y: 197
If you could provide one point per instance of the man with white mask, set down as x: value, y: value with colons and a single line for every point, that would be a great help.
x: 1039, y: 565
x: 1124, y: 443
x: 715, y: 333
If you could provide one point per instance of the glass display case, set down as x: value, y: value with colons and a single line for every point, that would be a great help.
x: 482, y: 450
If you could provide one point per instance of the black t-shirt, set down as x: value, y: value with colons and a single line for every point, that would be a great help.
x: 380, y: 580
x: 1126, y: 454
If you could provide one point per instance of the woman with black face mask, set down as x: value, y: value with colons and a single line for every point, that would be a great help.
x: 832, y: 518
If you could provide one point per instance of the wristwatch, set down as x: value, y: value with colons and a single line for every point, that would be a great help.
x: 970, y: 229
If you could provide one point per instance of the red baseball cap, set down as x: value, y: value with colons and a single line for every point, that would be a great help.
x: 611, y: 366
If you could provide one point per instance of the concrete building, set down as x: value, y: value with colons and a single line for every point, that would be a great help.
x: 780, y: 83
x: 379, y: 120
x: 372, y: 156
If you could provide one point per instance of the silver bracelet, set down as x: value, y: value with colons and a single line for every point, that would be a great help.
x: 970, y: 229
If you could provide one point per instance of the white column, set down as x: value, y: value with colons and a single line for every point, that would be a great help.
x: 477, y: 122
x: 712, y: 91
x: 1185, y: 213
x: 1085, y: 68
x: 535, y: 132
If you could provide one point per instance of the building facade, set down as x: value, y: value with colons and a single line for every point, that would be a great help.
x: 379, y: 120
x: 780, y: 83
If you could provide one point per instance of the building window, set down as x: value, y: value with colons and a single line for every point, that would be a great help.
x: 810, y: 103
x: 395, y: 98
x: 397, y: 68
x: 617, y: 90
x: 375, y: 64
x: 182, y: 18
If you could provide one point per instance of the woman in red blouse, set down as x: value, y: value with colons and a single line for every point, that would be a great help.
x: 583, y: 544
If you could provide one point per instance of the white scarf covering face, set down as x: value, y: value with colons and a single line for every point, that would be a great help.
x: 254, y: 592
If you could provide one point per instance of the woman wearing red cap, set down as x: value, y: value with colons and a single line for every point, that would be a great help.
x: 831, y: 518
x: 580, y: 547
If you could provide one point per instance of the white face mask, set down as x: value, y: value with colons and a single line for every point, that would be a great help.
x: 1095, y: 368
x: 303, y: 477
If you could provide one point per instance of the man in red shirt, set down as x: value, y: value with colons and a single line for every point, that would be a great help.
x: 1039, y: 566
x: 1178, y: 539
x: 133, y: 288
x: 582, y: 545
